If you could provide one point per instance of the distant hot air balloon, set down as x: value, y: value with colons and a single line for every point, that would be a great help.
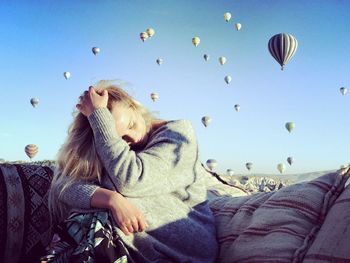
x: 66, y: 74
x: 31, y: 150
x: 206, y: 57
x: 211, y: 163
x: 282, y: 47
x: 143, y: 36
x: 237, y: 107
x: 150, y: 32
x: 228, y: 79
x: 222, y: 60
x: 154, y: 96
x: 343, y: 90
x: 249, y: 165
x: 34, y: 102
x: 290, y: 126
x: 229, y: 172
x: 206, y: 120
x: 290, y: 160
x: 95, y: 50
x: 227, y: 16
x: 196, y: 41
x: 159, y: 61
x: 238, y: 26
x: 281, y: 167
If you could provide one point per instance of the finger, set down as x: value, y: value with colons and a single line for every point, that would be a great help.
x: 92, y: 89
x: 130, y: 228
x: 135, y: 225
x: 81, y: 97
x: 125, y: 230
x: 142, y: 225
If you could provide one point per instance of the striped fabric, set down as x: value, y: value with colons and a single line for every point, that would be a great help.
x: 332, y: 243
x: 277, y: 226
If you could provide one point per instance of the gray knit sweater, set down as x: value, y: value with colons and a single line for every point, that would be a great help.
x: 165, y: 181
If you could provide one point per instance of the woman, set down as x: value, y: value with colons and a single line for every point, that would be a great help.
x: 145, y: 171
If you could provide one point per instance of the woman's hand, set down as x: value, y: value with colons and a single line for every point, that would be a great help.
x: 127, y: 216
x: 91, y: 100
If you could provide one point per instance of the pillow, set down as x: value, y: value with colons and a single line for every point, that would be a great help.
x: 332, y: 243
x: 25, y: 228
x: 275, y: 226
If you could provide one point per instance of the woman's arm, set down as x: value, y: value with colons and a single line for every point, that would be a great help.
x: 165, y: 166
x: 127, y: 216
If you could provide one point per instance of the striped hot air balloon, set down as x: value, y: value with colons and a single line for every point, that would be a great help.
x: 31, y: 150
x: 282, y: 47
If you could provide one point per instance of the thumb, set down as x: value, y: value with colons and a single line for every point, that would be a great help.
x: 105, y: 93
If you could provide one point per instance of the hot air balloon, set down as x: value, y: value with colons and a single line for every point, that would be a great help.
x: 228, y: 79
x: 95, y: 50
x: 31, y: 150
x: 237, y: 107
x: 343, y: 90
x: 66, y: 74
x: 227, y: 16
x: 143, y: 36
x: 206, y: 57
x: 212, y: 163
x: 290, y: 126
x: 222, y: 60
x: 34, y: 102
x: 196, y: 41
x: 281, y: 167
x: 229, y: 172
x: 290, y: 160
x: 206, y: 120
x: 150, y: 32
x: 282, y: 47
x: 249, y: 165
x: 238, y: 26
x: 154, y: 96
x: 159, y: 61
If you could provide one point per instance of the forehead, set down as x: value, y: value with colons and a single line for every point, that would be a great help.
x: 122, y: 113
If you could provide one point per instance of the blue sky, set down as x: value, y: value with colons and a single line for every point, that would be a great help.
x: 42, y: 39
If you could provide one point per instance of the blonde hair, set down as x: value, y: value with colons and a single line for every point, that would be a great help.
x: 77, y: 159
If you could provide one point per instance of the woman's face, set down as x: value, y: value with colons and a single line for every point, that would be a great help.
x: 130, y: 125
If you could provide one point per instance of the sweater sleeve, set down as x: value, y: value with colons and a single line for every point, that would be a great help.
x: 165, y: 165
x: 77, y: 194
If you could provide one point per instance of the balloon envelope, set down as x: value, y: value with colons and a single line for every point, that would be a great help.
x: 290, y: 126
x: 290, y: 160
x: 281, y: 167
x: 31, y: 150
x: 227, y: 16
x: 228, y: 79
x: 206, y: 120
x: 143, y: 36
x: 34, y: 102
x: 206, y: 57
x: 154, y: 96
x: 237, y: 107
x: 249, y: 165
x: 229, y: 172
x: 150, y: 32
x: 196, y: 41
x: 282, y: 47
x: 222, y: 60
x: 159, y: 61
x: 66, y: 74
x: 211, y: 163
x: 343, y: 90
x: 95, y: 50
x: 238, y: 26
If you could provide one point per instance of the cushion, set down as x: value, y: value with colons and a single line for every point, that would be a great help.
x: 24, y: 215
x: 275, y: 226
x: 332, y: 243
